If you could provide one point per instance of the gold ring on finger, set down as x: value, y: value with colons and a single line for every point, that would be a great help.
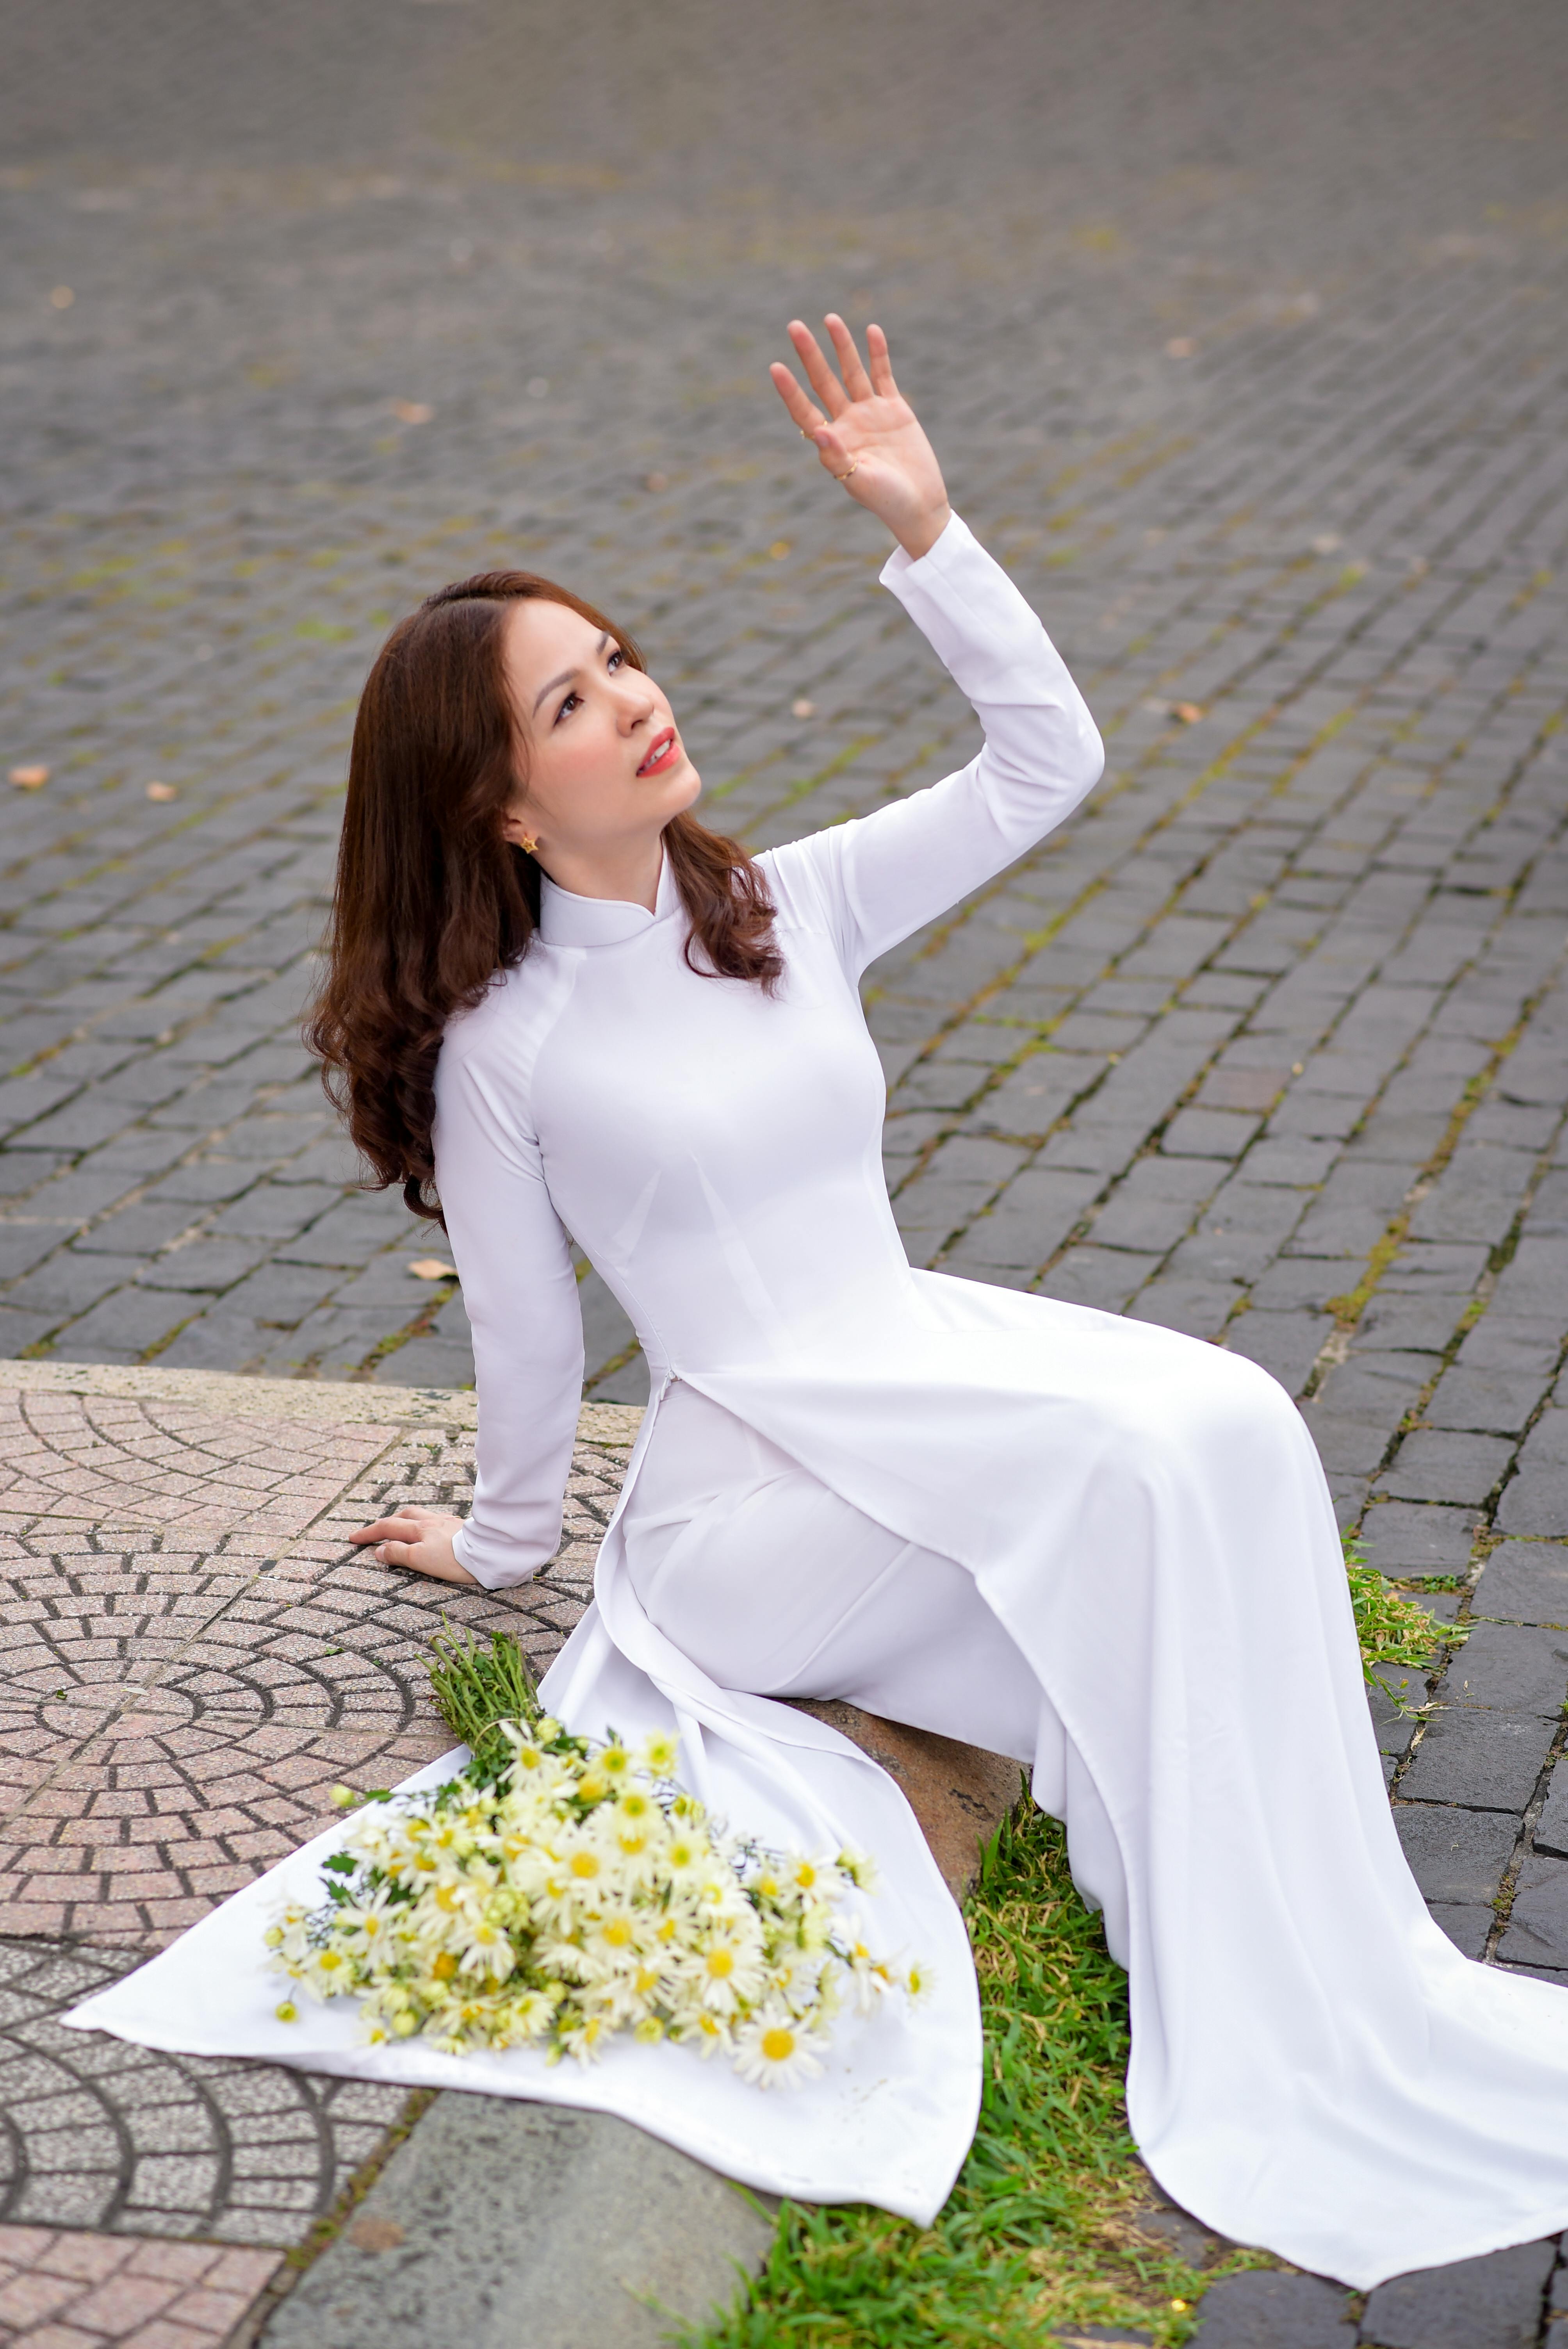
x: 853, y: 469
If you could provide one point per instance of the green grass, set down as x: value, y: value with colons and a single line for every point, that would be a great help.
x: 1039, y: 2233
x: 1391, y: 1628
x: 475, y: 1686
x: 1036, y: 2232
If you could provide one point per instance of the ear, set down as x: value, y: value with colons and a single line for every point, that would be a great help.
x: 514, y: 828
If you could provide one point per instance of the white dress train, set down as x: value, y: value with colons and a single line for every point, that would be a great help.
x: 1088, y: 1541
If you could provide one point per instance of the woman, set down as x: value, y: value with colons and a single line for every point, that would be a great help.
x: 557, y: 1005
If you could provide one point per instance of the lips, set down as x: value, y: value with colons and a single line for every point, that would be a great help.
x: 664, y: 748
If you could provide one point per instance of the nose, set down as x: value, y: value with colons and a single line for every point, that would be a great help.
x: 637, y: 697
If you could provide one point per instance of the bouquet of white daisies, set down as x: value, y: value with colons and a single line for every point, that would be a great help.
x: 560, y: 1892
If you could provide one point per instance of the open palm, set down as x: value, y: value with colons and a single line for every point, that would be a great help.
x: 865, y: 432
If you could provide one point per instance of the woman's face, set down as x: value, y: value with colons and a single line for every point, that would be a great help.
x: 604, y: 764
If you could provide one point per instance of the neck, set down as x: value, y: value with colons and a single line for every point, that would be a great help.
x: 630, y: 874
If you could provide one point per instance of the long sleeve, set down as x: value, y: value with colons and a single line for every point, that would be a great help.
x: 521, y: 1293
x: 885, y: 875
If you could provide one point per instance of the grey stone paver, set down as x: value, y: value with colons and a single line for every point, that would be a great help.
x: 1487, y: 2304
x: 123, y: 2139
x: 1243, y: 346
x: 614, y: 2233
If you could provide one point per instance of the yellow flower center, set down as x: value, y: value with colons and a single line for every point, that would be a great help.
x: 618, y: 1933
x: 778, y: 2045
x: 584, y: 1864
x: 721, y: 1964
x: 445, y: 1967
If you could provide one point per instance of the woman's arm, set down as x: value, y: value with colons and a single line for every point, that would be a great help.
x: 520, y: 1290
x: 884, y: 876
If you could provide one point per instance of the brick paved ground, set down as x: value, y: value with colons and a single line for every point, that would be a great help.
x: 188, y: 1672
x: 1240, y: 329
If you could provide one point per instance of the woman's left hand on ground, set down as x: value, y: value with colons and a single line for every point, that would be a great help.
x: 419, y: 1538
x: 869, y: 438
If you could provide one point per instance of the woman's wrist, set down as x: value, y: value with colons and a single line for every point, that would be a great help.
x: 921, y: 536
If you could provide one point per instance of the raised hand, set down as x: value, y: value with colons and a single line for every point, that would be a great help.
x: 869, y: 438
x: 419, y: 1538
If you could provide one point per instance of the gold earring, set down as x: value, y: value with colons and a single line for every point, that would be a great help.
x: 530, y: 846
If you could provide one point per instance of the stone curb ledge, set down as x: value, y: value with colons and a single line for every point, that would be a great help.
x: 341, y: 1403
x: 514, y: 2226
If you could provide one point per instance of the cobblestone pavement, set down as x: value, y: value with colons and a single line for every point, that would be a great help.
x: 1241, y: 332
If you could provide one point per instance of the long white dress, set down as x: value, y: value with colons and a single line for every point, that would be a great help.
x: 1095, y: 1544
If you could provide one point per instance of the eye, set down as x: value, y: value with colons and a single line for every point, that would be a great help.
x: 567, y: 706
x: 617, y: 660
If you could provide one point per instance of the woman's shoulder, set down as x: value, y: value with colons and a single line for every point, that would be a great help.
x: 493, y: 1029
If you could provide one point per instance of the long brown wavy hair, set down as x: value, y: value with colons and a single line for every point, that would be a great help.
x: 431, y: 901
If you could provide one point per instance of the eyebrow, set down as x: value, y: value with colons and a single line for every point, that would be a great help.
x: 567, y: 674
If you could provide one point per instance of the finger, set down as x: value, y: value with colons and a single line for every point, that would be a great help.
x: 848, y: 468
x: 400, y: 1528
x: 809, y: 419
x: 857, y: 383
x: 819, y: 374
x: 881, y: 365
x: 438, y: 1569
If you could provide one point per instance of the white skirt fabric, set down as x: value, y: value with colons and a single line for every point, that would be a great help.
x: 1315, y: 2067
x: 1158, y: 1624
x: 769, y: 1581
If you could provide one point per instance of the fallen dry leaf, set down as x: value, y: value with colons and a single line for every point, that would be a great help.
x: 1188, y: 713
x: 376, y: 2234
x: 62, y: 297
x: 411, y: 411
x: 29, y: 779
x: 433, y: 1268
x: 802, y: 708
x: 161, y: 792
x: 655, y: 481
x: 779, y: 548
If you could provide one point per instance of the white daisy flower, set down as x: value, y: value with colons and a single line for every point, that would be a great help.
x: 775, y: 2050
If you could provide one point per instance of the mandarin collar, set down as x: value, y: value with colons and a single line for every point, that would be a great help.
x: 565, y: 920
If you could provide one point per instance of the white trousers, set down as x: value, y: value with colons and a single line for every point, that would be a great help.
x: 774, y: 1585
